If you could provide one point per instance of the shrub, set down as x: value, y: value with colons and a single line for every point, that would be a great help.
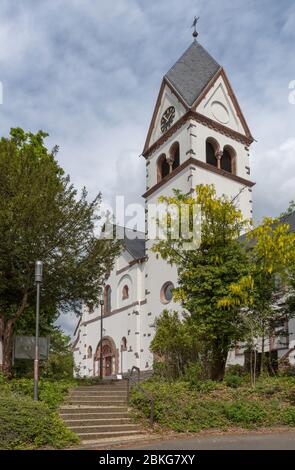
x: 288, y: 416
x: 50, y: 392
x: 236, y: 369
x: 175, y: 344
x: 204, y: 385
x: 181, y: 406
x: 25, y: 424
x: 193, y: 373
x: 287, y: 369
x: 233, y: 381
x: 246, y: 412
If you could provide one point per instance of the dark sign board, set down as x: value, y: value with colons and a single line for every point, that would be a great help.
x: 24, y: 347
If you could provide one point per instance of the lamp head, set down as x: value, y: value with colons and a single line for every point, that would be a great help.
x: 38, y: 271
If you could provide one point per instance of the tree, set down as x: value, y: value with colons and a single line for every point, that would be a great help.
x: 174, y: 343
x: 271, y: 251
x: 60, y: 363
x: 42, y: 217
x: 206, y: 272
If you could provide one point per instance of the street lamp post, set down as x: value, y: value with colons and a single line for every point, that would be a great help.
x: 38, y: 280
x: 101, y: 336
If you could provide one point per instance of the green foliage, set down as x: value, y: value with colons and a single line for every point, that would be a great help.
x: 181, y: 407
x: 235, y: 369
x: 289, y: 416
x: 235, y: 376
x: 246, y: 412
x: 206, y: 272
x: 233, y: 381
x: 196, y: 377
x: 50, y: 392
x: 229, y: 287
x: 193, y: 373
x: 174, y: 344
x: 43, y: 217
x: 178, y: 408
x: 25, y: 424
x: 60, y: 364
x: 271, y: 253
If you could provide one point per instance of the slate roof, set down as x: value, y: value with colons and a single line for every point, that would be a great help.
x: 290, y: 220
x: 133, y: 241
x: 192, y: 72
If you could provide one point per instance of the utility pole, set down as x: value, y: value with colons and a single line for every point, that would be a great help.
x: 38, y: 281
x: 101, y: 336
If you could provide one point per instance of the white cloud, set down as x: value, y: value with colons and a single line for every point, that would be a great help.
x: 277, y: 181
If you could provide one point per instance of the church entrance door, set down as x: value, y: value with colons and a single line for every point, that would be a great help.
x: 108, y: 365
x: 108, y: 352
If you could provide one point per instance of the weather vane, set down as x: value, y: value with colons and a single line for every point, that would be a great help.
x: 194, y: 25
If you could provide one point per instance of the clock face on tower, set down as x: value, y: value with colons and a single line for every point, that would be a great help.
x: 167, y: 118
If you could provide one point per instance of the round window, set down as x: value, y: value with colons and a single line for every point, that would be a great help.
x: 167, y: 292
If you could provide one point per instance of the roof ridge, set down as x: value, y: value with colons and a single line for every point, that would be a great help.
x: 190, y: 74
x: 193, y: 44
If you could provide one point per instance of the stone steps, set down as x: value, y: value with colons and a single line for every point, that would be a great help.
x: 78, y: 410
x: 80, y: 430
x: 99, y: 412
x: 98, y: 392
x: 100, y: 388
x: 96, y: 421
x: 97, y: 436
x: 89, y: 402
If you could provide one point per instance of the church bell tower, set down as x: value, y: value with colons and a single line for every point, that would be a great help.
x: 197, y: 135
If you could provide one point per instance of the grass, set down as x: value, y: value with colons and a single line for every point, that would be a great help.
x: 183, y: 407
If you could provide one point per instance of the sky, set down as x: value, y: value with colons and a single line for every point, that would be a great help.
x: 88, y: 72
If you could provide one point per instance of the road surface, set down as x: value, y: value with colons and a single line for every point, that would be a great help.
x: 251, y: 441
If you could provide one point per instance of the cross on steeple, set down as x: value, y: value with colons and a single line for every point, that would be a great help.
x: 194, y: 25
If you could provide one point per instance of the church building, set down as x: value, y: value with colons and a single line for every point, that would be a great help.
x: 197, y: 135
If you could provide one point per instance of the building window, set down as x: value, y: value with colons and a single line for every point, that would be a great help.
x: 124, y: 344
x: 107, y: 299
x: 125, y: 292
x: 89, y: 352
x: 212, y: 149
x: 228, y: 160
x: 174, y: 155
x: 166, y: 293
x: 163, y: 168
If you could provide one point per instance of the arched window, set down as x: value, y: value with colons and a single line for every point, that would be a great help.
x: 225, y: 163
x: 228, y: 160
x: 166, y: 293
x: 107, y: 299
x: 211, y: 151
x: 124, y: 344
x: 163, y: 168
x: 89, y: 352
x: 174, y: 155
x: 125, y: 292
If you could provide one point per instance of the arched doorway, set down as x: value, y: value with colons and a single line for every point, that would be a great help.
x: 109, y: 358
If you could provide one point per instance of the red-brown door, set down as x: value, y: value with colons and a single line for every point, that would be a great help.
x: 108, y: 365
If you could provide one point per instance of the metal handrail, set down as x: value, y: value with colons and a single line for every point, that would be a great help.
x: 151, y: 399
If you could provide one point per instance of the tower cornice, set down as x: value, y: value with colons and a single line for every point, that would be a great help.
x: 201, y: 119
x: 199, y: 164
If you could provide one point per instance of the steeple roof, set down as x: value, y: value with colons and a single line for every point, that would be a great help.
x: 192, y: 72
